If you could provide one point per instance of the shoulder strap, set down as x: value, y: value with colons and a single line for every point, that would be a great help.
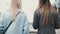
x: 10, y: 23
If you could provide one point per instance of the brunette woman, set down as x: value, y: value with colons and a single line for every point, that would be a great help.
x: 46, y: 19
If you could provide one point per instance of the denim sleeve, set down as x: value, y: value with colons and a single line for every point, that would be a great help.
x: 1, y: 25
x: 1, y: 28
x: 25, y: 26
x: 4, y: 22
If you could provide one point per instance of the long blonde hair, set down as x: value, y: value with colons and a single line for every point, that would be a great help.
x: 15, y: 5
x: 45, y: 8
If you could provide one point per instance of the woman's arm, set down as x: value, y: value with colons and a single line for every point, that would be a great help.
x: 1, y: 28
x: 2, y: 24
x: 36, y: 20
x: 5, y: 21
x: 25, y: 25
x: 57, y: 24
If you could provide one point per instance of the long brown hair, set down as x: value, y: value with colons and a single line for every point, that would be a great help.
x: 15, y: 5
x: 45, y: 8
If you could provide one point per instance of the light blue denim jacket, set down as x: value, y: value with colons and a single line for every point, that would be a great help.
x: 18, y: 26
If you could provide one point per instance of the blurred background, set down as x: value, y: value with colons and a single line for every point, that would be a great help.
x: 28, y: 6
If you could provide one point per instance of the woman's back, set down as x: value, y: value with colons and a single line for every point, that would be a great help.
x: 17, y: 25
x: 49, y: 28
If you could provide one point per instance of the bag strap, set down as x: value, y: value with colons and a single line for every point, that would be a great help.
x: 10, y: 23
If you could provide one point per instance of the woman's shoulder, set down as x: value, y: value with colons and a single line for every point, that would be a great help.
x: 21, y: 15
x: 37, y: 12
x: 6, y: 13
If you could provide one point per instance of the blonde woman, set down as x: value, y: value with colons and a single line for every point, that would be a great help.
x: 14, y: 20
